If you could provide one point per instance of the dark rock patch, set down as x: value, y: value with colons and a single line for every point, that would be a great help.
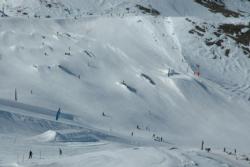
x: 145, y: 10
x: 218, y: 7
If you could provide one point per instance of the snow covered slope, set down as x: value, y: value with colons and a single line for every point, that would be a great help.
x: 76, y: 8
x: 181, y: 74
x: 83, y: 68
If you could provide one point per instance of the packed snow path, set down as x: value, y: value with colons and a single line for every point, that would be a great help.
x: 110, y: 154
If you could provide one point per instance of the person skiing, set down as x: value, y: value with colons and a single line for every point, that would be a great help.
x: 30, y: 154
x: 58, y: 113
x: 60, y: 151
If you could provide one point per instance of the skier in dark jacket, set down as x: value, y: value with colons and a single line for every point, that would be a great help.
x: 30, y: 154
x: 58, y: 113
x: 60, y: 151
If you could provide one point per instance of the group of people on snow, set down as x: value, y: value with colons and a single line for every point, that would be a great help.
x: 31, y: 153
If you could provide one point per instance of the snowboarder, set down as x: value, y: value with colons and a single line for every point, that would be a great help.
x: 30, y: 154
x: 161, y: 139
x: 103, y: 114
x: 224, y: 150
x: 132, y: 133
x: 60, y: 151
x: 58, y: 113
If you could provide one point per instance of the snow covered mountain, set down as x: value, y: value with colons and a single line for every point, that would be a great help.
x: 76, y: 8
x: 126, y: 75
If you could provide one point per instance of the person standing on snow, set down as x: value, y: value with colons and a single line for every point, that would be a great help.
x: 103, y: 114
x: 169, y: 71
x: 58, y: 113
x: 30, y: 154
x: 60, y: 151
x: 202, y: 145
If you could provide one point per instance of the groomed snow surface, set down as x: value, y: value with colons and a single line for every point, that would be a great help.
x: 126, y: 88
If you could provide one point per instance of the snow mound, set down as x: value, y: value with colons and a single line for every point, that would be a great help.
x: 69, y: 136
x: 47, y: 136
